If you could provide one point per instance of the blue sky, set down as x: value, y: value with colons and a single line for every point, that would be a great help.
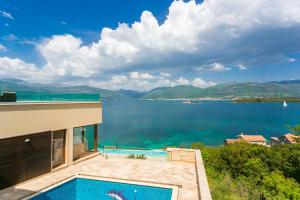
x: 144, y: 44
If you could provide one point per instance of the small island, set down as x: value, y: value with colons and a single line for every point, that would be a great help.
x: 266, y: 99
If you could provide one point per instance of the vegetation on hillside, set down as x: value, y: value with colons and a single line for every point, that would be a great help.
x: 266, y: 99
x: 252, y: 172
x: 229, y: 91
x: 220, y: 91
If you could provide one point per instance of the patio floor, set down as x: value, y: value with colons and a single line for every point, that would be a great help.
x: 181, y: 174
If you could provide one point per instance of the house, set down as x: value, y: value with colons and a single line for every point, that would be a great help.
x: 47, y: 145
x: 231, y: 141
x: 253, y: 139
x: 288, y: 138
x: 37, y: 138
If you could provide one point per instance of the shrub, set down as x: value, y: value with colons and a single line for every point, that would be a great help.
x: 142, y: 156
x: 249, y: 171
x: 131, y: 156
x: 276, y: 187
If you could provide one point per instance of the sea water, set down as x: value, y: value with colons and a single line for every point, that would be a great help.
x: 156, y: 124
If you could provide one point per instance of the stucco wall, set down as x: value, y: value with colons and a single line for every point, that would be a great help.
x: 24, y: 118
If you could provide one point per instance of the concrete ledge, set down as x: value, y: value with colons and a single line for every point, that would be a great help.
x: 191, y: 155
x: 203, y: 187
x: 183, y: 155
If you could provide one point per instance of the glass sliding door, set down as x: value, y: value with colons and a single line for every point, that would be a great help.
x: 84, y: 141
x: 58, y: 148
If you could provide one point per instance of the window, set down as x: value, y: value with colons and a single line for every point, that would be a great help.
x: 84, y: 141
x: 58, y: 148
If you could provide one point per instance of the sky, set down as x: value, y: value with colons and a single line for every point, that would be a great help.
x: 140, y: 45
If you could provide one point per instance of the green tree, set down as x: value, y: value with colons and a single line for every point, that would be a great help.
x: 276, y: 187
x: 256, y: 169
x: 236, y: 155
x: 286, y: 158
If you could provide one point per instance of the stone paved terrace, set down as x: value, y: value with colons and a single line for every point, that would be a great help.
x: 182, y: 174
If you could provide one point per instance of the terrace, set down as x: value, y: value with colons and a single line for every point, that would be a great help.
x: 44, y: 143
x: 179, y: 172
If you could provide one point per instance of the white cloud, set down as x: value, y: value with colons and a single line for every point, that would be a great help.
x: 218, y: 67
x: 164, y: 74
x: 198, y: 82
x: 190, y: 29
x: 118, y: 80
x: 214, y: 31
x: 292, y: 59
x: 2, y: 48
x: 137, y: 75
x: 132, y: 82
x: 16, y: 68
x: 10, y: 37
x: 6, y: 14
x: 241, y: 67
x: 180, y: 81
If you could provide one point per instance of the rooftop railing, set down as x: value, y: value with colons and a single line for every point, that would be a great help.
x: 48, y: 97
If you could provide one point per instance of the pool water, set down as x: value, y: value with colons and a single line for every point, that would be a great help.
x: 89, y: 189
x: 156, y: 152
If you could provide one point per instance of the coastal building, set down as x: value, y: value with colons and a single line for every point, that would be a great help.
x: 253, y: 139
x: 37, y: 138
x: 288, y: 138
x: 52, y: 145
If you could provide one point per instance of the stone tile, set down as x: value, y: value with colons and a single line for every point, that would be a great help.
x: 155, y: 171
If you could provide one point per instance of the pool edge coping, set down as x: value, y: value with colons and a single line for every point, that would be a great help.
x: 174, y: 196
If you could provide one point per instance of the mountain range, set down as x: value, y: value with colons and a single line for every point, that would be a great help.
x: 290, y: 88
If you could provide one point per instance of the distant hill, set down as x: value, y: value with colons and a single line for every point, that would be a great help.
x: 287, y: 82
x: 132, y: 93
x: 228, y: 91
x: 22, y: 87
x: 289, y: 88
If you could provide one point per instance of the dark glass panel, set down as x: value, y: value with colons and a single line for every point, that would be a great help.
x: 58, y: 148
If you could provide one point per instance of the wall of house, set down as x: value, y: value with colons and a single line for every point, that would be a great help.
x: 26, y: 136
x: 18, y: 119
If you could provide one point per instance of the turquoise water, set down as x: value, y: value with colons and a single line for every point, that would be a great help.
x: 156, y: 124
x: 36, y: 96
x: 87, y: 189
x: 155, y: 152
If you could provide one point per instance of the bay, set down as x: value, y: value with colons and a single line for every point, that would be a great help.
x: 157, y: 124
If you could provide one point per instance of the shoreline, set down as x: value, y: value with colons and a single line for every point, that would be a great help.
x: 235, y: 100
x: 192, y: 99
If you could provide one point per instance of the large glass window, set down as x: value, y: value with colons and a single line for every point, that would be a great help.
x: 58, y: 148
x: 84, y: 141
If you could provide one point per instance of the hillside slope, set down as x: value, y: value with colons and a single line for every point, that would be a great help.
x: 228, y: 90
x: 22, y: 87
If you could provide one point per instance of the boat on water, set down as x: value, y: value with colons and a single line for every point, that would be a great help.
x: 284, y: 104
x: 187, y: 101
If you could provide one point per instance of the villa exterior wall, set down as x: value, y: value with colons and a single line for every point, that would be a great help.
x: 34, y: 136
x: 18, y: 119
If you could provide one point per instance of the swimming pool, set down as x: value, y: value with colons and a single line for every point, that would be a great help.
x: 89, y: 189
x: 155, y: 152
